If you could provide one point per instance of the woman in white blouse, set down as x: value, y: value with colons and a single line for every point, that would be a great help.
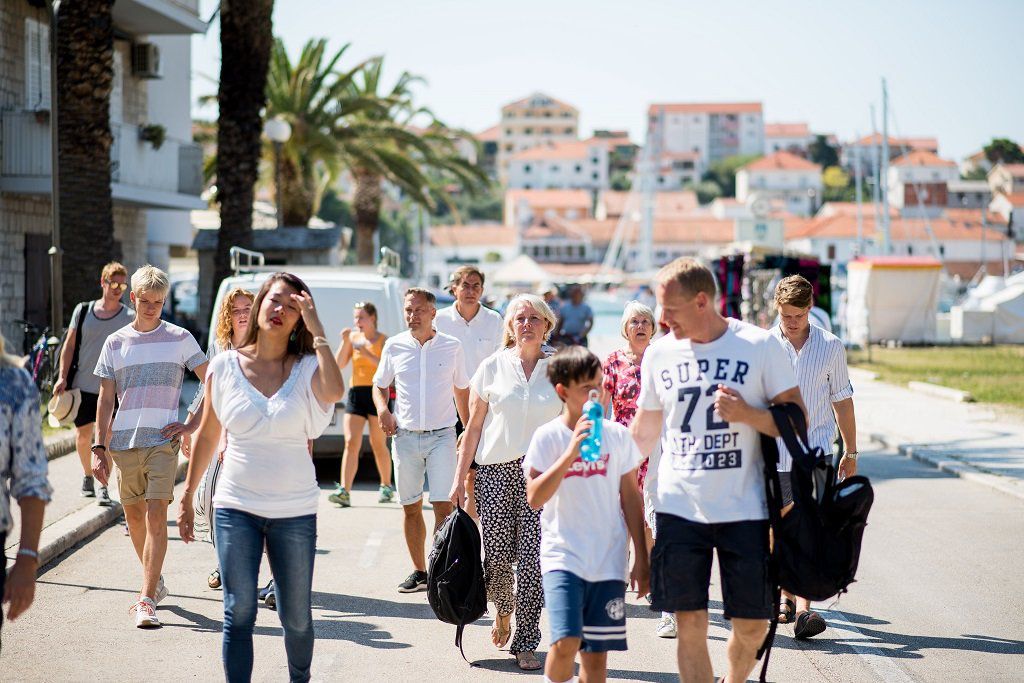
x: 272, y: 395
x: 510, y: 397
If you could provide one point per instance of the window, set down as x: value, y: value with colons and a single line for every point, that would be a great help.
x: 569, y: 131
x: 555, y: 169
x: 527, y: 131
x: 579, y: 168
x: 37, y: 65
x: 508, y: 147
x: 546, y: 131
x: 595, y: 175
x: 831, y: 252
x: 942, y: 249
x: 117, y: 89
x: 661, y: 180
x: 547, y: 115
x: 508, y: 132
x: 910, y: 249
x: 526, y: 168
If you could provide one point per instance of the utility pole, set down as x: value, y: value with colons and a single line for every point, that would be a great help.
x: 886, y: 238
x: 645, y: 241
x: 857, y: 190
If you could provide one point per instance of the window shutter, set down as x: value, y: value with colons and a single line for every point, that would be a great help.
x: 117, y: 89
x: 37, y: 65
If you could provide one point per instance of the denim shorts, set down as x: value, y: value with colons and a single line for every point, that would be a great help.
x: 416, y: 454
x: 593, y: 611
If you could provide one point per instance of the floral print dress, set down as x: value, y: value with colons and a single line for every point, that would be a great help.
x: 622, y: 382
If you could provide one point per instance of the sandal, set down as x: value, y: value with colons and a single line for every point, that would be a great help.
x: 502, y: 630
x: 787, y: 612
x: 527, y: 660
x: 213, y: 580
x: 808, y: 625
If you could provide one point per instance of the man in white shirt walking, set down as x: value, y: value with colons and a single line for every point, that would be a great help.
x: 429, y: 373
x: 480, y: 331
x: 819, y: 359
x: 705, y: 391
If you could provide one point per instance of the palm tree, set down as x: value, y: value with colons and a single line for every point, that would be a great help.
x: 85, y: 71
x: 315, y: 99
x: 245, y: 41
x: 382, y: 144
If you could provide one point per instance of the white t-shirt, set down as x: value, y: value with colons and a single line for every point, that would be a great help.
x: 712, y: 471
x: 582, y: 527
x: 425, y: 376
x: 516, y: 407
x: 267, y: 470
x: 480, y: 336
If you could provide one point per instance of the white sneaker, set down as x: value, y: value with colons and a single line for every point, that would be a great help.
x: 145, y: 614
x: 161, y: 591
x: 666, y: 627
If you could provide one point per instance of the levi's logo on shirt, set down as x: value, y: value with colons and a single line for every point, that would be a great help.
x: 582, y: 468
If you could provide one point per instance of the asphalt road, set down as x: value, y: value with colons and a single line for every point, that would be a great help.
x: 938, y: 598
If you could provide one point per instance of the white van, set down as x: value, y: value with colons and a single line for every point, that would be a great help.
x: 336, y: 290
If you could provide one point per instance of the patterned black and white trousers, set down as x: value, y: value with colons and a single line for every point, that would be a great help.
x: 511, y: 533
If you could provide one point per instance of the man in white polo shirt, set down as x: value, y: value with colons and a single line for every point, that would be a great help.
x: 429, y: 373
x: 480, y: 331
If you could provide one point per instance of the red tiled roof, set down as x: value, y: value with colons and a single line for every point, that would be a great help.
x: 850, y: 209
x: 787, y: 130
x: 698, y: 230
x: 524, y: 103
x: 781, y: 161
x: 705, y: 108
x: 569, y: 199
x: 471, y: 235
x: 845, y: 226
x: 667, y: 206
x: 922, y: 157
x: 1016, y: 170
x: 491, y: 134
x: 1016, y: 199
x: 911, y: 143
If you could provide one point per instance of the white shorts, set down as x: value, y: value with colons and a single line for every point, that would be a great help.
x: 419, y: 453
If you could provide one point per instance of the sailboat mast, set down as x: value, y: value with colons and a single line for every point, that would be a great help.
x: 886, y: 237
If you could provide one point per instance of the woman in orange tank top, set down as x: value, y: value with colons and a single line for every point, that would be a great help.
x: 362, y: 344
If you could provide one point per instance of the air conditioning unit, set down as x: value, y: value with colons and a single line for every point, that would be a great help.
x: 146, y: 61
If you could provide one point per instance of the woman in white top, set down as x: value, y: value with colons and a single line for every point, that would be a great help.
x: 510, y: 397
x: 272, y: 395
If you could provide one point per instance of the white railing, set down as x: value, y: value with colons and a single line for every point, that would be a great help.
x: 175, y: 167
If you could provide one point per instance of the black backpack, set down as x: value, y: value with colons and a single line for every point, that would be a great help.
x: 455, y: 574
x: 78, y: 322
x: 816, y: 546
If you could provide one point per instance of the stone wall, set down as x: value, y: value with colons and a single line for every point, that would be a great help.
x: 19, y: 216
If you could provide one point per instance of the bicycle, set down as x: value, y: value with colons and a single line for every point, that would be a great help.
x: 41, y: 356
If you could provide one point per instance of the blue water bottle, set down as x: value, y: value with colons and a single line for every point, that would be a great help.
x: 590, y: 449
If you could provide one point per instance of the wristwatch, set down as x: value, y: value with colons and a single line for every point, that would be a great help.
x: 852, y: 455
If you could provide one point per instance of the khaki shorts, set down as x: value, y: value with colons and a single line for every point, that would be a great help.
x: 146, y: 473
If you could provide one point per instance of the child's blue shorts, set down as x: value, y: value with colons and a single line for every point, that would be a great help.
x: 594, y: 611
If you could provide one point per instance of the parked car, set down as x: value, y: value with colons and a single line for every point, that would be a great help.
x: 336, y: 290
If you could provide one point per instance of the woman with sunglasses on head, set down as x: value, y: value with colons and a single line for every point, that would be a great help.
x: 362, y: 344
x: 91, y: 323
x: 272, y: 395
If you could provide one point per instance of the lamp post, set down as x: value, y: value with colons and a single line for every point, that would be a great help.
x: 278, y: 130
x: 55, y: 251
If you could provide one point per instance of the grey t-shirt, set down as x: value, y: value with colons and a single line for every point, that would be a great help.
x: 575, y: 317
x: 90, y: 338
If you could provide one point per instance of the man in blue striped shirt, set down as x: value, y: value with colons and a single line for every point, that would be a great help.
x: 819, y: 359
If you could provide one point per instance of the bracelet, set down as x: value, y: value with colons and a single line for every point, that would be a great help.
x: 852, y: 455
x: 28, y: 552
x: 97, y: 445
x: 320, y: 341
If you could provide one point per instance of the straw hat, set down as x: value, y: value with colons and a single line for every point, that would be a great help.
x: 63, y: 408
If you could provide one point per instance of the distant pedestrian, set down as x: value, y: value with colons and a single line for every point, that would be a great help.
x: 588, y: 509
x: 144, y: 364
x: 550, y: 295
x: 362, y: 344
x: 705, y: 390
x: 480, y: 331
x: 510, y: 398
x: 232, y: 325
x: 429, y: 374
x: 819, y: 360
x: 272, y: 395
x: 91, y: 323
x: 22, y: 478
x: 575, y: 319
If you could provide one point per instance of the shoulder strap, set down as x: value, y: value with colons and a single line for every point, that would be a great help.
x: 792, y: 426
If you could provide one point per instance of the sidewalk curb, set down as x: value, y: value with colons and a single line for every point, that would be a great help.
x: 80, y: 526
x: 939, y: 391
x: 951, y: 465
x: 59, y: 446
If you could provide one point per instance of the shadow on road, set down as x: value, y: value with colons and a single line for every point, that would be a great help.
x: 371, y: 607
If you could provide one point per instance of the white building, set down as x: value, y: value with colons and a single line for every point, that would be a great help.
x: 712, y: 130
x: 1010, y: 207
x: 1006, y: 178
x: 526, y: 207
x: 488, y: 246
x: 921, y: 178
x: 532, y: 121
x: 678, y: 169
x: 870, y: 149
x: 795, y: 138
x: 561, y: 165
x: 785, y: 176
x: 968, y: 194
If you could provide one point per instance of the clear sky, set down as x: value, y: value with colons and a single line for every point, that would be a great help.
x: 955, y: 68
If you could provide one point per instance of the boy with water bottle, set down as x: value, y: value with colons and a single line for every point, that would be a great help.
x: 587, y: 487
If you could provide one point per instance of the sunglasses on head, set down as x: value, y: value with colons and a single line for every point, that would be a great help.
x: 117, y: 286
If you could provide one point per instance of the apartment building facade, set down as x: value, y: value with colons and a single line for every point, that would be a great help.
x: 781, y: 176
x: 532, y: 121
x: 580, y: 164
x: 714, y: 131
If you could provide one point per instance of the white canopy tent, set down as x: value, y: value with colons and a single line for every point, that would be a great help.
x: 521, y: 271
x: 892, y: 298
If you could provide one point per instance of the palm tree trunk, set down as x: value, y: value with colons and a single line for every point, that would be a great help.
x: 367, y: 211
x: 85, y: 68
x: 296, y: 197
x: 245, y: 40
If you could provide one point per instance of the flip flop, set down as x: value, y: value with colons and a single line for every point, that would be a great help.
x: 808, y: 625
x: 527, y: 660
x: 500, y: 635
x: 787, y: 612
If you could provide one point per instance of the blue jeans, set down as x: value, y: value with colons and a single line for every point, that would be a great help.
x: 291, y: 546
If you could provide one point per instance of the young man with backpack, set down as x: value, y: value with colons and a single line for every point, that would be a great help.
x: 588, y: 507
x: 91, y: 323
x: 819, y: 360
x: 705, y: 392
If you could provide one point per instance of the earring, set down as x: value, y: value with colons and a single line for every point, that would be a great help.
x: 292, y: 337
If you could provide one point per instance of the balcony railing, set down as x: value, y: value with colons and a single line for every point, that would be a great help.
x: 176, y: 167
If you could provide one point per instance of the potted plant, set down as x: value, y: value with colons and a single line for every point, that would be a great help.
x: 153, y: 133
